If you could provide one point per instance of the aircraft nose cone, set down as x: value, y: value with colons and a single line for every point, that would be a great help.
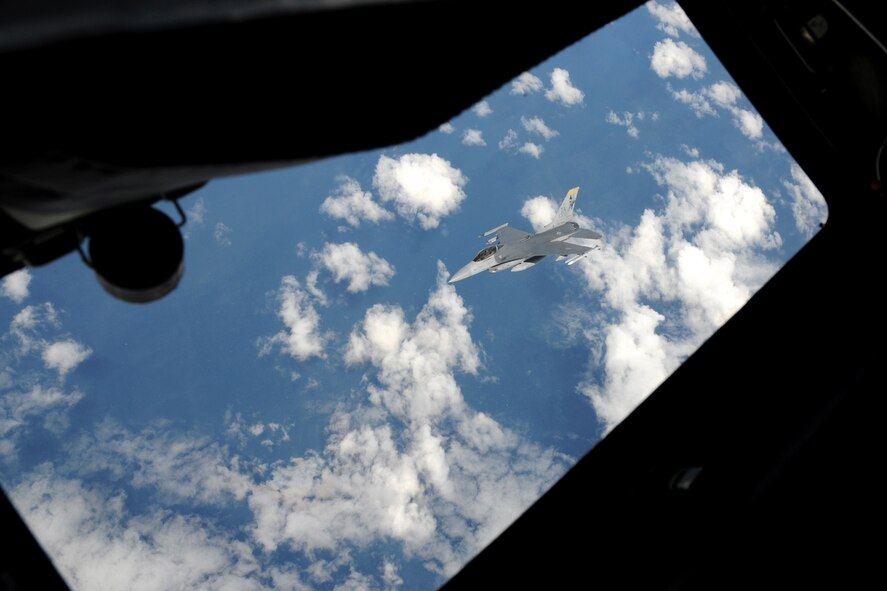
x: 459, y: 275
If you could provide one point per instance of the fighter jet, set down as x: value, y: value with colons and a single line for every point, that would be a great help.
x: 514, y: 249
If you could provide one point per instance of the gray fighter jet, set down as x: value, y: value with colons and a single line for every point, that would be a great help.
x: 517, y: 250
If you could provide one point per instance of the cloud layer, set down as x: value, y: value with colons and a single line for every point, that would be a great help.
x: 415, y: 465
x: 670, y: 281
x: 409, y: 463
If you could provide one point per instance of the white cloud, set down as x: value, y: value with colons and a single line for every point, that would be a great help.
x: 626, y: 120
x: 537, y: 125
x: 724, y: 95
x: 696, y: 100
x: 352, y: 204
x: 672, y: 19
x: 221, y: 234
x: 64, y: 356
x: 96, y: 543
x: 36, y: 332
x: 15, y: 285
x: 562, y: 90
x: 423, y: 187
x: 526, y: 84
x: 413, y: 465
x: 313, y: 289
x: 534, y: 150
x: 750, y: 124
x: 677, y: 59
x: 302, y: 338
x: 19, y: 408
x: 389, y: 575
x: 361, y: 270
x: 408, y: 463
x: 482, y: 109
x: 196, y: 214
x: 473, y: 137
x: 447, y: 128
x: 509, y: 142
x: 27, y: 324
x: 180, y: 467
x: 667, y: 283
x: 539, y: 211
x: 808, y: 205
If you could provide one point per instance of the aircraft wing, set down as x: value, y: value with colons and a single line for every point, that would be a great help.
x: 587, y: 234
x: 560, y: 248
x: 508, y: 234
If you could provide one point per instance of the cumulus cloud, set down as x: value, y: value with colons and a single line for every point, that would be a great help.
x: 697, y: 101
x: 18, y: 408
x: 447, y: 128
x: 473, y: 137
x: 26, y: 402
x: 677, y: 59
x: 222, y: 234
x: 482, y: 109
x: 28, y: 323
x: 352, y: 204
x: 197, y: 212
x: 537, y: 126
x: 724, y: 95
x: 302, y: 338
x: 672, y: 19
x: 532, y: 149
x: 562, y: 90
x: 348, y: 263
x: 808, y: 205
x: 509, y: 141
x: 179, y: 467
x: 423, y: 187
x: 58, y: 352
x: 312, y: 287
x: 64, y: 356
x: 97, y: 543
x: 526, y: 84
x: 670, y: 281
x: 625, y: 120
x: 408, y: 463
x: 415, y: 465
x: 15, y: 286
x: 539, y: 210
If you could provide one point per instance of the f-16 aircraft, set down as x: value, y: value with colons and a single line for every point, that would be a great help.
x: 517, y: 250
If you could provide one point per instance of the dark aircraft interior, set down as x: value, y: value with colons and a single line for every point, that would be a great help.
x: 722, y: 478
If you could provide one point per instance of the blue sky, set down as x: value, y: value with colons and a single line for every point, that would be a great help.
x: 316, y: 408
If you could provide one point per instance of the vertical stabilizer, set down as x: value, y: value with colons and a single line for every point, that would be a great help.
x: 565, y: 213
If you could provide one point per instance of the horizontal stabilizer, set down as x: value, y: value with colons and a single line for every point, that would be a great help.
x: 493, y: 231
x: 585, y: 233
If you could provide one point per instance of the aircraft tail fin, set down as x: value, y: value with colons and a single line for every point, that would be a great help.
x: 565, y: 213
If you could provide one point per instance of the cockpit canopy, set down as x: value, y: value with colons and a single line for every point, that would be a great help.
x: 485, y: 253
